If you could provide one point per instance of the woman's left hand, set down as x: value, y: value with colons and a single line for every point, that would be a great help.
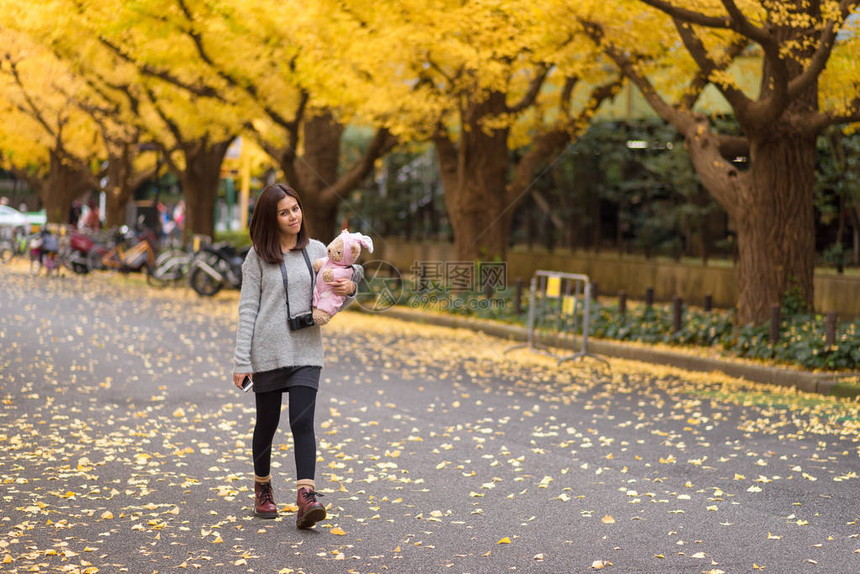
x: 343, y: 287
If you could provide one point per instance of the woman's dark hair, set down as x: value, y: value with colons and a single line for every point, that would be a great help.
x: 264, y: 223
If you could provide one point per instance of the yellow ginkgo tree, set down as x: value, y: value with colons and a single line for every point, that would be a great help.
x: 478, y: 80
x: 151, y: 73
x: 46, y: 139
x: 809, y: 80
x: 250, y: 56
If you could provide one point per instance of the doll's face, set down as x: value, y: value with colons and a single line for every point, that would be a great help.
x: 335, y: 250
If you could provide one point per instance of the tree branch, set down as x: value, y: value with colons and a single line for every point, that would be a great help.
x: 759, y: 112
x: 172, y: 127
x: 707, y: 66
x: 549, y: 144
x: 532, y: 93
x: 690, y: 16
x: 817, y: 63
x: 815, y: 123
x: 699, y: 82
x: 164, y: 75
x: 566, y: 93
x: 743, y: 26
x: 246, y: 86
x: 32, y: 109
x: 381, y: 143
x: 451, y: 79
x: 683, y: 120
x: 732, y: 146
x: 720, y: 177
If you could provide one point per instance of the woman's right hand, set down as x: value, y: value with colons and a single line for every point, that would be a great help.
x: 239, y: 377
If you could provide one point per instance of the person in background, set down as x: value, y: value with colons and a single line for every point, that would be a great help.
x: 179, y: 215
x: 91, y: 220
x: 75, y: 213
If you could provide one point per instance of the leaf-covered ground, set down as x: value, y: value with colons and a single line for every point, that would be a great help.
x: 124, y: 448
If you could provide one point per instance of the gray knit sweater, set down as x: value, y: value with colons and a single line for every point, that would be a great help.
x: 263, y: 340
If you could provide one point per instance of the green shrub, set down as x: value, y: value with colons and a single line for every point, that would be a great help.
x: 239, y: 239
x: 801, y: 342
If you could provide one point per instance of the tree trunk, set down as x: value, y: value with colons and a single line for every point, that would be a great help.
x: 200, y: 184
x: 776, y: 226
x: 315, y: 172
x: 63, y: 184
x: 855, y: 224
x: 474, y: 176
x: 118, y: 190
x: 481, y: 225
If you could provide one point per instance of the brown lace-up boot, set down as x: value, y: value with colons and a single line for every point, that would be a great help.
x: 310, y: 510
x: 264, y: 500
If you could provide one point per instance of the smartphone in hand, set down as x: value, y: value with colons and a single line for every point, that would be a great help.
x: 247, y: 383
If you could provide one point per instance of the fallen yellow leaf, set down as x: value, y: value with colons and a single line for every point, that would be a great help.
x: 608, y: 520
x: 505, y: 540
x: 338, y: 531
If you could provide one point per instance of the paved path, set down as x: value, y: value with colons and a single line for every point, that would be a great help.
x: 125, y: 449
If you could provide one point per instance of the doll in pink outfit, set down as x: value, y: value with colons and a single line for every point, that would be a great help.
x: 342, y: 253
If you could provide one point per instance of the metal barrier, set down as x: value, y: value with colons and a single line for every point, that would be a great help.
x: 559, y: 305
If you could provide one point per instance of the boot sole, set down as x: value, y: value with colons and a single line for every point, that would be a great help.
x: 265, y: 515
x: 312, y: 517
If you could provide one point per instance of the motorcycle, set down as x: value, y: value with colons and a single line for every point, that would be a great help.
x: 215, y: 267
x: 74, y: 255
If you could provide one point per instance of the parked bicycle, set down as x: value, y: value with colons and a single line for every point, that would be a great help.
x: 18, y: 246
x: 132, y: 251
x: 216, y: 267
x: 170, y: 267
x: 7, y: 250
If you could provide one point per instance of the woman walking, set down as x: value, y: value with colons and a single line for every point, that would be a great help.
x: 277, y: 346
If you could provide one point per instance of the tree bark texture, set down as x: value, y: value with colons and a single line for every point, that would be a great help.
x: 63, y: 184
x: 771, y: 203
x: 776, y: 226
x: 315, y: 173
x: 474, y: 176
x: 200, y: 184
x: 118, y: 190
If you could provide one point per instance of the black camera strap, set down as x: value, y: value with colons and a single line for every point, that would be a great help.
x: 284, y: 277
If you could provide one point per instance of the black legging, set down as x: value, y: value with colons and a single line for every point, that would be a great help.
x: 302, y: 403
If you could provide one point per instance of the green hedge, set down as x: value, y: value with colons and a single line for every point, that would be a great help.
x: 801, y: 342
x: 238, y: 238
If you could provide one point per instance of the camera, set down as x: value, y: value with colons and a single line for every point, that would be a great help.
x: 300, y: 321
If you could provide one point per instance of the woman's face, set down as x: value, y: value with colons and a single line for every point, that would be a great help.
x: 289, y: 216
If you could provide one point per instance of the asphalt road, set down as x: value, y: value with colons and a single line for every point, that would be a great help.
x: 126, y: 449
